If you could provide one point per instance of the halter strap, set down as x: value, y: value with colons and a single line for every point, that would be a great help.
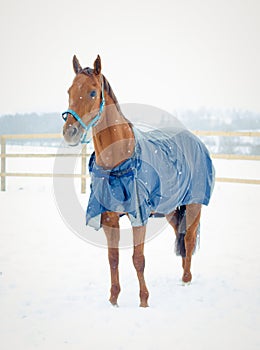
x: 93, y: 122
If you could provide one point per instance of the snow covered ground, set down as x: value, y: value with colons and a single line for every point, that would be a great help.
x: 54, y: 287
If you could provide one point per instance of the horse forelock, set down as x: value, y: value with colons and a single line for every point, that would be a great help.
x: 88, y: 71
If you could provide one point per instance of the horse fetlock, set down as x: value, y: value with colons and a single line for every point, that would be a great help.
x: 114, y: 292
x: 115, y: 289
x: 144, y: 295
x: 187, y: 277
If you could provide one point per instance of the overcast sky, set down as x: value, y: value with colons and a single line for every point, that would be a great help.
x: 166, y: 53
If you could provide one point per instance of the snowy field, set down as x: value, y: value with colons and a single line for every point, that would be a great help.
x: 54, y: 287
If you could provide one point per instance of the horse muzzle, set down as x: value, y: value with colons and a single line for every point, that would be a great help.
x: 72, y: 134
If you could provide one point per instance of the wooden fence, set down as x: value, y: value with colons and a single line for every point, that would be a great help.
x: 83, y: 174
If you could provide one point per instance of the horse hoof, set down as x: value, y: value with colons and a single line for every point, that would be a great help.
x: 114, y: 304
x: 144, y: 304
x: 184, y: 284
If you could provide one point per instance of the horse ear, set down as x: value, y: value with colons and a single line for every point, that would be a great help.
x: 76, y: 65
x: 97, y: 65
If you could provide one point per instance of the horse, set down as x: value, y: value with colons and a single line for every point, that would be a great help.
x: 123, y: 159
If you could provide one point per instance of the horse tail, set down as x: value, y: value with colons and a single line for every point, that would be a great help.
x: 180, y: 234
x: 180, y: 249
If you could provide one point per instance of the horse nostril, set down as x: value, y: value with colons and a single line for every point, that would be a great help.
x: 73, y: 131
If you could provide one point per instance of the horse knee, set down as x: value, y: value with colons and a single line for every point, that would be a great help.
x: 139, y: 262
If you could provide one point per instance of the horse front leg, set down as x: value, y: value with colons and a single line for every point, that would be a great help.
x: 139, y: 262
x: 193, y: 212
x: 110, y: 224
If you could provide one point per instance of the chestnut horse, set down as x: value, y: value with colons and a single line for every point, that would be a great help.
x: 93, y: 105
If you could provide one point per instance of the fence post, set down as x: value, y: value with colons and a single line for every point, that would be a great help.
x: 3, y: 163
x: 83, y: 168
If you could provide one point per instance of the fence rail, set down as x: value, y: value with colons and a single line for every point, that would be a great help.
x: 227, y: 133
x: 83, y: 174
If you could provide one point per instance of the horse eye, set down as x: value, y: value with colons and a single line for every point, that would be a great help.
x: 93, y: 94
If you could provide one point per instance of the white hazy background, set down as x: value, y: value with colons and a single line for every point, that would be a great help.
x: 170, y: 54
x: 167, y: 53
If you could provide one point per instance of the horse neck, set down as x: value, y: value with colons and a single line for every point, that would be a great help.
x: 113, y: 137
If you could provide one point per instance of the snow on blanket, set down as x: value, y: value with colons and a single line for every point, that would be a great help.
x: 169, y: 168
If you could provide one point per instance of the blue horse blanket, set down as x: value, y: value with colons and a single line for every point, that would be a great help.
x: 169, y: 168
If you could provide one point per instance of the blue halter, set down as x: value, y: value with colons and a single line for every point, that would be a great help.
x: 93, y: 121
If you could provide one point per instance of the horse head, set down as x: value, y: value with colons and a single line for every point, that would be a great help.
x: 86, y: 102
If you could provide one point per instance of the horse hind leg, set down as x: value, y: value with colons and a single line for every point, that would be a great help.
x: 185, y: 221
x: 110, y: 224
x: 193, y: 213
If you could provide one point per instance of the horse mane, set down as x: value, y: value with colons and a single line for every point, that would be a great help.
x: 108, y: 89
